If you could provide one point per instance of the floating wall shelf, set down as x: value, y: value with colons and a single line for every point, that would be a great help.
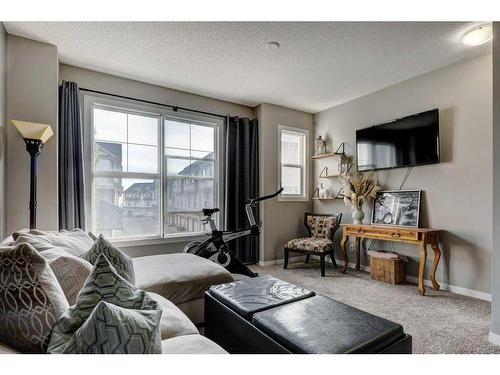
x: 325, y: 199
x: 324, y: 156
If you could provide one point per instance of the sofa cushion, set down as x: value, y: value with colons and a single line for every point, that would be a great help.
x: 71, y: 273
x: 173, y: 321
x: 103, y: 284
x: 179, y: 277
x: 31, y: 299
x: 75, y: 242
x: 111, y: 329
x: 191, y: 344
x: 121, y: 262
x: 5, y: 349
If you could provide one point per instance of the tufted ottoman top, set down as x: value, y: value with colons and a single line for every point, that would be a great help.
x: 249, y: 296
x: 321, y: 325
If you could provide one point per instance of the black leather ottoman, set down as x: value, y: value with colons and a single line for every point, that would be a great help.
x: 267, y: 315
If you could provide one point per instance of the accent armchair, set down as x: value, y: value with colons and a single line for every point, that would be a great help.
x: 321, y: 229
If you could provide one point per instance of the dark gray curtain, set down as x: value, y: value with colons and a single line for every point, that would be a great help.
x: 71, y: 180
x: 242, y: 182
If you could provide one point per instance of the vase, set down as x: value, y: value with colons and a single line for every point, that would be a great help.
x: 358, y: 215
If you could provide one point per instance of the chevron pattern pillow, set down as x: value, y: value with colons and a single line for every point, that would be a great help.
x: 114, y: 330
x: 121, y: 262
x: 80, y: 322
x: 31, y: 299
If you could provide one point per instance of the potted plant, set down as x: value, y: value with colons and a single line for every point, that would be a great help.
x: 358, y: 188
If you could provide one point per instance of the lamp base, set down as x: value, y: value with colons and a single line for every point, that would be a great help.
x: 34, y: 148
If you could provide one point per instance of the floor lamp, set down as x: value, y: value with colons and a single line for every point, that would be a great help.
x: 34, y: 135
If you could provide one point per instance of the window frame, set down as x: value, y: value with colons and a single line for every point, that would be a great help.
x: 304, y: 196
x: 162, y: 113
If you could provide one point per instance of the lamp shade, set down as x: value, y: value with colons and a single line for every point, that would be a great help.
x: 32, y: 130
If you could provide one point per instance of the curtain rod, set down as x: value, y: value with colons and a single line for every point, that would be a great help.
x: 175, y: 108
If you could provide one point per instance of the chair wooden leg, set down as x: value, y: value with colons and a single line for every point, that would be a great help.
x: 308, y: 256
x: 322, y: 263
x: 332, y: 257
x: 285, y: 263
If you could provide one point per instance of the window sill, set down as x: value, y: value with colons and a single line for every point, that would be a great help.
x: 293, y: 199
x: 130, y: 242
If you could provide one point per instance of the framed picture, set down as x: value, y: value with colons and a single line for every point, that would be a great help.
x: 397, y: 208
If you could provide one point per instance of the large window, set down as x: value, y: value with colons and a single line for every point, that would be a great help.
x: 152, y: 170
x: 292, y: 168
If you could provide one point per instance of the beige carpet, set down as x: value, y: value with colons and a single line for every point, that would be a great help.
x: 440, y: 322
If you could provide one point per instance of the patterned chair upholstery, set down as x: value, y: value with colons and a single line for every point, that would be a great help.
x: 321, y: 230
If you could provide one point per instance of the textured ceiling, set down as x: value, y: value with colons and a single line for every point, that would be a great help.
x: 319, y: 64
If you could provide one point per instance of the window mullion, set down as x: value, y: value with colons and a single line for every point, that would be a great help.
x: 161, y: 185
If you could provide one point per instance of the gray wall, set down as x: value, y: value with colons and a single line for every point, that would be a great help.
x: 495, y: 264
x: 3, y: 97
x: 112, y: 84
x: 282, y: 220
x: 31, y: 96
x: 457, y: 192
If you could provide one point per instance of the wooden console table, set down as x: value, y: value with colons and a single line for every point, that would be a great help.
x: 418, y: 236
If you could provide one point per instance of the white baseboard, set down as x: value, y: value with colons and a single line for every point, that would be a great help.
x: 494, y: 338
x: 450, y: 288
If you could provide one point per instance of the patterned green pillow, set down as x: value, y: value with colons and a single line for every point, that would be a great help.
x: 103, y: 284
x: 120, y: 261
x: 114, y: 330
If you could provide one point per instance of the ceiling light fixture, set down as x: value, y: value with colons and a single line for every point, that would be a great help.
x: 272, y: 45
x: 477, y: 36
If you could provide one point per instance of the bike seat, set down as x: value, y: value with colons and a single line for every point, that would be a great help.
x: 209, y: 211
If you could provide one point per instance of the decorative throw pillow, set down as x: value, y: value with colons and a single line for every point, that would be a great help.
x: 111, y: 329
x: 103, y: 284
x: 120, y: 261
x: 75, y: 242
x: 71, y: 273
x: 31, y: 299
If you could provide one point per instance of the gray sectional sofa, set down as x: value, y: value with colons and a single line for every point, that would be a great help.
x: 176, y: 281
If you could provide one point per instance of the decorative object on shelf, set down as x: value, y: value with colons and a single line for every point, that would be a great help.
x: 35, y: 136
x: 321, y: 193
x: 358, y: 188
x: 320, y: 146
x: 397, y: 208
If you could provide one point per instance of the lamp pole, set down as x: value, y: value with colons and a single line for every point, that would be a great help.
x: 34, y: 148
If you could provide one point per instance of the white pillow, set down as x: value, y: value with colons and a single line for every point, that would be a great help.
x: 75, y: 242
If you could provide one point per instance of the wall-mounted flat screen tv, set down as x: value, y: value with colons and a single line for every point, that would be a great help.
x: 405, y: 142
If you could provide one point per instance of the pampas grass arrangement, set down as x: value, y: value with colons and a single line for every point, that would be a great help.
x: 359, y: 188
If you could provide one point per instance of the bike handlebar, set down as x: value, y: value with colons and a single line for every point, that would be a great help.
x: 259, y: 199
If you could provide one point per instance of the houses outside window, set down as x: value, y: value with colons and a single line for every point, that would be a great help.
x: 151, y: 171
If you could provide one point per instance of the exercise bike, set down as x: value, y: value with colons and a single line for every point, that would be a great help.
x: 215, y: 247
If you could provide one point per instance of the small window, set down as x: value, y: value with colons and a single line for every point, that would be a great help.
x: 292, y: 169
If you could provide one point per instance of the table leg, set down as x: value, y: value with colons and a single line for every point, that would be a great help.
x: 343, y: 247
x: 421, y: 265
x: 435, y: 262
x: 358, y: 250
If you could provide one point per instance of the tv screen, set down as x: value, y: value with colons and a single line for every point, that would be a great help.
x: 406, y: 142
